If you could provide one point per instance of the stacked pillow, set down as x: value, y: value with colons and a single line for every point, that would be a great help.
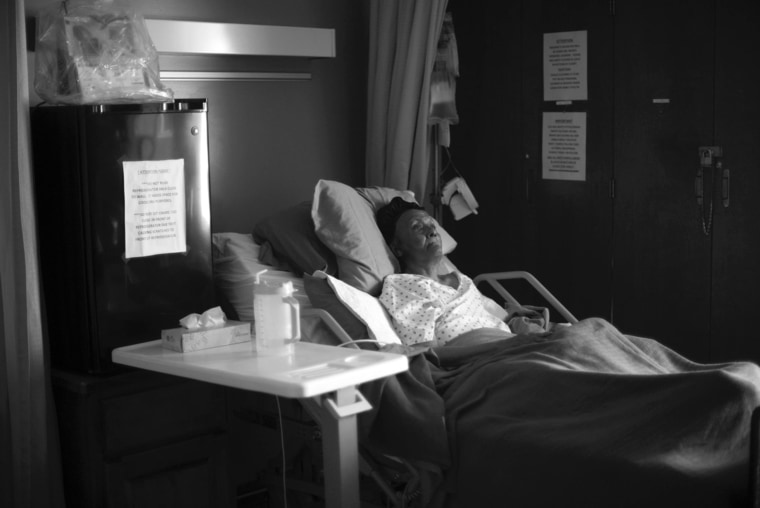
x: 237, y: 258
x: 288, y: 242
x: 344, y: 220
x: 336, y: 234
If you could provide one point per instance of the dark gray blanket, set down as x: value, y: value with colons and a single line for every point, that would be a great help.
x: 582, y: 416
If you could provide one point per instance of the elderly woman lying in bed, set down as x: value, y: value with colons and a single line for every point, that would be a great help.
x: 581, y: 415
x: 426, y: 302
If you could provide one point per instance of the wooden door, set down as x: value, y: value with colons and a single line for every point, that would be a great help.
x: 567, y: 225
x: 736, y: 232
x: 664, y: 99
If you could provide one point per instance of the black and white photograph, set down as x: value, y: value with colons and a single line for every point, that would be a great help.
x: 379, y: 254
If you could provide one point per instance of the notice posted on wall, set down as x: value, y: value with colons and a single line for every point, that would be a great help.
x: 563, y: 151
x: 154, y: 207
x: 566, y: 66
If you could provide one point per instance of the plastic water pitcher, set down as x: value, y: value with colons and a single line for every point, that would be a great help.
x: 276, y: 316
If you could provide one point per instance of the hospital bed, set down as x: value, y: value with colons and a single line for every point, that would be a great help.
x: 578, y: 414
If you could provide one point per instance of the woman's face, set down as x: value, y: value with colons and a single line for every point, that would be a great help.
x: 417, y: 237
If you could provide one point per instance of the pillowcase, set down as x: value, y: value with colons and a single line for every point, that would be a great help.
x: 323, y: 297
x: 368, y: 313
x: 294, y: 244
x: 344, y: 220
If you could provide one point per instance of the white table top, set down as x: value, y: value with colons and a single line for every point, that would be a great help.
x: 312, y: 369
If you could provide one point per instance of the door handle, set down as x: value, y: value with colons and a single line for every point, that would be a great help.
x: 709, y: 160
x: 699, y: 186
x: 726, y: 183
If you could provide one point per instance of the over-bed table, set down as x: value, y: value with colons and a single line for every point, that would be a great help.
x: 325, y: 376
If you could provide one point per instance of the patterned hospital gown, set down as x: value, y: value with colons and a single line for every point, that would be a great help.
x: 423, y: 309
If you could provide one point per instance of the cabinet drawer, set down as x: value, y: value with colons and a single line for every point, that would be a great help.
x: 160, y: 415
x: 190, y: 474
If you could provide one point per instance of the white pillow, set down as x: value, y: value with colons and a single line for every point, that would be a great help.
x: 344, y: 220
x: 366, y: 308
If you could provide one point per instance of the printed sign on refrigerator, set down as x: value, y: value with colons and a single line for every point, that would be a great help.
x: 154, y: 207
x: 564, y: 146
x: 566, y: 66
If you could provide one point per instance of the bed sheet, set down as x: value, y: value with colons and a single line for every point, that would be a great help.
x: 580, y: 416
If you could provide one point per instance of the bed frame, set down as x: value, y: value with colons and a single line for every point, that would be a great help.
x: 400, y: 480
x: 495, y: 280
x: 397, y: 477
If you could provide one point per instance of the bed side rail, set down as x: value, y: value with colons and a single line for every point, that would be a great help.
x: 754, y: 459
x: 343, y: 339
x: 494, y: 279
x: 340, y: 333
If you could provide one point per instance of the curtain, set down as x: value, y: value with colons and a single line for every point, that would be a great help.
x: 29, y: 451
x: 402, y: 49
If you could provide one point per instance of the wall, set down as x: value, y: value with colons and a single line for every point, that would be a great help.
x: 270, y: 141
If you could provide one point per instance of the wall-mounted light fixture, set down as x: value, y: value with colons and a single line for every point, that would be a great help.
x: 198, y: 38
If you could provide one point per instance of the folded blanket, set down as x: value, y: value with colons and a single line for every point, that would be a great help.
x: 580, y: 416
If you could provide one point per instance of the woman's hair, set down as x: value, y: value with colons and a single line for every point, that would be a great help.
x: 388, y: 215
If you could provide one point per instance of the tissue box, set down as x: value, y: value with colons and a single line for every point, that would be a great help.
x: 184, y: 340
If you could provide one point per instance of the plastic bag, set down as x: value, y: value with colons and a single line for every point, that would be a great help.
x: 95, y: 52
x: 443, y: 83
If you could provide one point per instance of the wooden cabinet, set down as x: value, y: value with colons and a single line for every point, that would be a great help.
x: 735, y: 274
x: 687, y: 274
x: 568, y: 224
x: 664, y: 104
x: 190, y: 473
x: 137, y: 439
x: 630, y: 243
x: 561, y: 231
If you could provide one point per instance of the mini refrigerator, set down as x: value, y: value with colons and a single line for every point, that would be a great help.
x: 123, y: 222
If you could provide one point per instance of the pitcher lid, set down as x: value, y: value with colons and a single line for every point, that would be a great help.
x: 272, y: 287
